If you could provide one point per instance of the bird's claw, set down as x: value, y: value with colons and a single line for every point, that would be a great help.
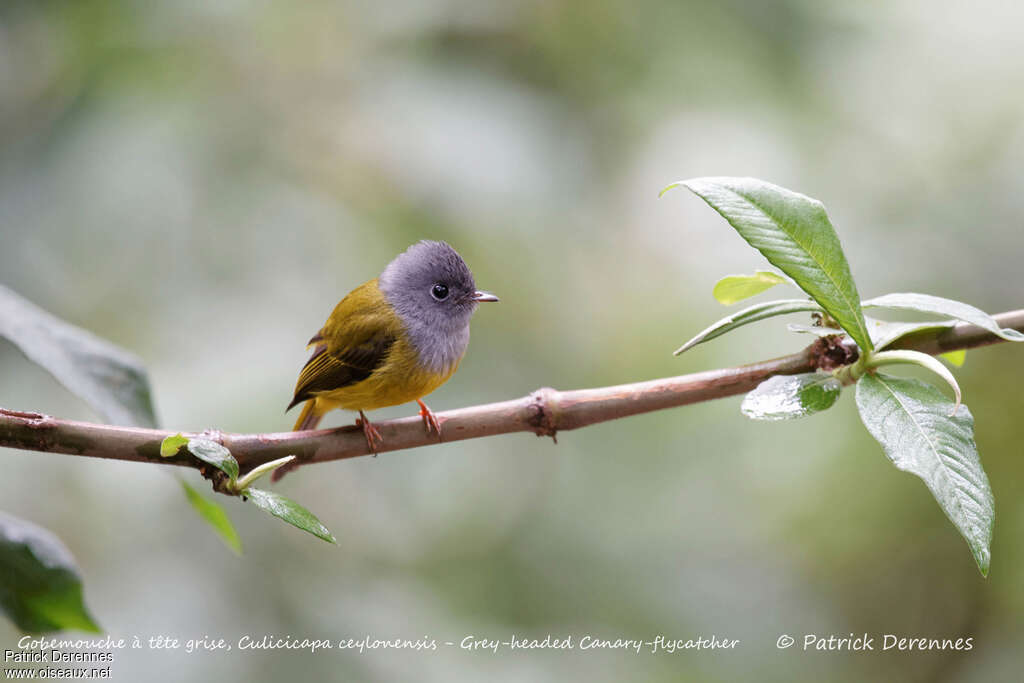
x: 430, y: 420
x: 370, y: 432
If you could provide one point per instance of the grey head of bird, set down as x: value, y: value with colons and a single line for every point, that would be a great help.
x: 434, y: 294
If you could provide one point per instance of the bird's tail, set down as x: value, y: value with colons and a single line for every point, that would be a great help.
x: 309, y: 418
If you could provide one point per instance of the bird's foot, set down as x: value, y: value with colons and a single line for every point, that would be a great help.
x: 370, y: 432
x: 430, y: 420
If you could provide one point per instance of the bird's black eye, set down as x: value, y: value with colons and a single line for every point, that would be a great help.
x: 439, y: 291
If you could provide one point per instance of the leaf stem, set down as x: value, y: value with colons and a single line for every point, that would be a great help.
x: 849, y: 374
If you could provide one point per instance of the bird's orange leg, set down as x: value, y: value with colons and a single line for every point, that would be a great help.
x: 370, y: 432
x: 430, y: 420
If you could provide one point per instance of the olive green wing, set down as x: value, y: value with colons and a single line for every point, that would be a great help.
x: 327, y: 370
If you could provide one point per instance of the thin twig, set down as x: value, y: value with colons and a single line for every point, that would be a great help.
x: 545, y: 412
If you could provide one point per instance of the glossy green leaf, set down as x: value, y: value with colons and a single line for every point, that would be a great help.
x: 786, y: 397
x: 733, y: 288
x: 170, y: 446
x: 111, y: 380
x: 40, y: 587
x: 884, y: 333
x: 955, y: 358
x: 289, y: 511
x: 912, y: 422
x: 215, y: 454
x: 925, y: 303
x: 756, y: 312
x: 794, y: 233
x: 215, y: 516
x: 909, y: 357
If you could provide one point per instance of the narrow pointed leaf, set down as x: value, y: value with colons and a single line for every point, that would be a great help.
x: 734, y: 288
x: 925, y: 303
x: 215, y: 516
x: 911, y: 420
x: 40, y: 586
x: 816, y: 330
x: 756, y: 312
x: 215, y: 454
x: 786, y: 397
x: 266, y: 468
x: 794, y: 233
x: 111, y: 380
x: 290, y: 511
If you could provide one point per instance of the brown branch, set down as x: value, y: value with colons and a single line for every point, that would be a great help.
x: 544, y: 412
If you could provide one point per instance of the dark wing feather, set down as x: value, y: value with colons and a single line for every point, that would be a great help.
x: 326, y: 371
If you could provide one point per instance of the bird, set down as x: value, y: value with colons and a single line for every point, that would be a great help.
x: 391, y: 340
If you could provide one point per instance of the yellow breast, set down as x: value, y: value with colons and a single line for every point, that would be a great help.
x: 399, y: 379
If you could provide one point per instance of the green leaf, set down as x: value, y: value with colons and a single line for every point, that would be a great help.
x: 289, y: 511
x: 40, y: 587
x: 955, y: 358
x: 911, y: 419
x: 794, y: 233
x: 261, y: 471
x: 733, y: 288
x: 170, y: 446
x: 925, y: 303
x: 909, y: 357
x: 883, y: 333
x: 215, y: 454
x: 111, y: 380
x: 756, y: 312
x: 786, y: 397
x: 215, y: 516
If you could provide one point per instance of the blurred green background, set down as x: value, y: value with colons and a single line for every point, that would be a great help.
x: 201, y: 182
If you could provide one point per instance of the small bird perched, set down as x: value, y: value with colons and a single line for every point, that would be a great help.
x: 392, y: 340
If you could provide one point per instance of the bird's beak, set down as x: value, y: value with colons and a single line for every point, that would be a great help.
x: 484, y: 296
